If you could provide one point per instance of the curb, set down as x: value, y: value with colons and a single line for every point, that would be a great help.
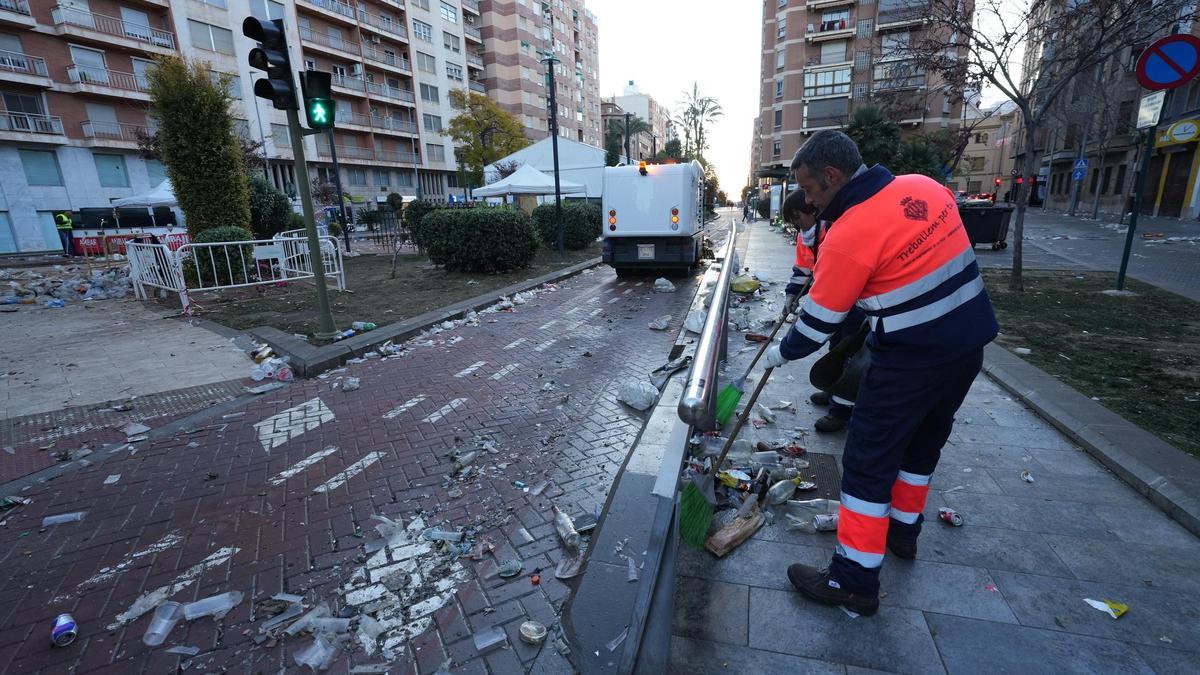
x: 1164, y: 474
x: 309, y: 360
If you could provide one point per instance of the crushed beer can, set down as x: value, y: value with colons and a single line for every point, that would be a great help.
x: 63, y: 633
x: 950, y: 517
x: 823, y: 522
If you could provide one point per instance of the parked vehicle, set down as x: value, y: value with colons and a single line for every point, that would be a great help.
x: 653, y: 216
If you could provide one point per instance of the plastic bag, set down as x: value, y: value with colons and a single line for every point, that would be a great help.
x: 317, y: 655
x: 812, y: 515
x: 744, y: 284
x: 637, y: 394
x: 661, y: 323
x: 694, y: 321
x: 662, y: 285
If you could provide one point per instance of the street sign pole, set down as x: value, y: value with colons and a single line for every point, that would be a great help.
x: 337, y: 185
x: 1139, y: 184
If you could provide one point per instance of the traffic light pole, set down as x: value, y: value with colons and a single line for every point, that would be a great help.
x: 558, y: 224
x: 337, y: 185
x: 326, y: 330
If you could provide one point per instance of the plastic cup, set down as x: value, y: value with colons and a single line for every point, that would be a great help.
x: 165, y: 618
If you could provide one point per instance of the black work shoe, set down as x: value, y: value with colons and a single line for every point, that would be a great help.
x: 814, y: 583
x: 820, y: 398
x: 902, y: 547
x: 830, y: 424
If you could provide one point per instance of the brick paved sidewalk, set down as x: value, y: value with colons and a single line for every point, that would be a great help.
x: 280, y: 497
x: 1004, y: 593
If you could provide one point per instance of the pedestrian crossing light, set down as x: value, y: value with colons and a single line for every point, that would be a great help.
x: 271, y: 55
x: 318, y: 101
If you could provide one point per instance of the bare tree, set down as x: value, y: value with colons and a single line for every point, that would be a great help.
x: 507, y: 168
x: 1031, y: 52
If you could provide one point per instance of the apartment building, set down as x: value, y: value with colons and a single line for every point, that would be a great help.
x: 821, y: 58
x: 521, y: 33
x: 642, y: 145
x: 646, y: 107
x: 987, y: 155
x: 73, y: 85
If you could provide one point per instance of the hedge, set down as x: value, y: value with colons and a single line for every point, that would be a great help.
x: 414, y: 214
x: 581, y: 224
x: 270, y: 210
x: 479, y: 239
x: 216, y: 266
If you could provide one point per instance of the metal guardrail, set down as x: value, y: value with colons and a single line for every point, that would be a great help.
x: 698, y: 405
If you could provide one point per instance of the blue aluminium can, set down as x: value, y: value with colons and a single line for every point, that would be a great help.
x: 63, y: 632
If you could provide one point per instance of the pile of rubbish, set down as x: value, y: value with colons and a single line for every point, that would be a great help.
x: 63, y: 283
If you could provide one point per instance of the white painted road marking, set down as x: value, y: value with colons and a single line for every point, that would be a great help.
x: 279, y: 429
x: 613, y: 300
x: 596, y: 311
x: 404, y: 407
x: 545, y: 345
x: 639, y: 283
x: 548, y: 324
x: 349, y: 472
x: 515, y: 343
x: 627, y: 291
x: 470, y: 369
x: 571, y: 311
x: 124, y: 564
x: 156, y: 597
x: 445, y: 410
x: 504, y: 371
x: 302, y: 465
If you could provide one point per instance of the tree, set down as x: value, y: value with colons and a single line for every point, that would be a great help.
x: 324, y: 193
x: 508, y: 168
x: 253, y: 155
x: 696, y: 114
x: 197, y: 144
x: 614, y: 134
x: 877, y: 137
x: 1032, y: 53
x: 916, y: 156
x: 483, y: 131
x: 672, y: 151
x: 270, y: 209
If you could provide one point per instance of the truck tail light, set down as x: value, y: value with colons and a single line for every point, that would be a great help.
x: 674, y: 215
x: 612, y: 220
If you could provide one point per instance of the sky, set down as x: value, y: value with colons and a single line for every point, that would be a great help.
x: 666, y: 45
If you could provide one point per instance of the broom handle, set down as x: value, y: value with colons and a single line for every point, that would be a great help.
x: 775, y: 331
x: 741, y: 421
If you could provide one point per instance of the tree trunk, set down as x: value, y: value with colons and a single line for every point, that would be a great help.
x: 1015, y: 283
x: 1099, y: 174
x: 1077, y: 185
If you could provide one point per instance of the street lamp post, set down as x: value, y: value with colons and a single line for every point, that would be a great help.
x: 550, y: 62
x: 628, y: 157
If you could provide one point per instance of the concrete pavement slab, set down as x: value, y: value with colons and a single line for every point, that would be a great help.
x: 1149, y: 565
x: 947, y: 589
x: 704, y: 657
x: 990, y: 548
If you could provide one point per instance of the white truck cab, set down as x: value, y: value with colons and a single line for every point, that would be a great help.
x: 653, y: 216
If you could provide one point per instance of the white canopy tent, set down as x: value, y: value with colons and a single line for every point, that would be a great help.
x: 528, y: 181
x: 163, y: 195
x: 577, y: 162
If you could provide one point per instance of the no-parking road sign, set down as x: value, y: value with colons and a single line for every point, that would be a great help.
x: 1169, y: 63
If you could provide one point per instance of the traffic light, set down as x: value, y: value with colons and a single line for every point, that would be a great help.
x: 997, y: 181
x: 318, y: 101
x: 271, y: 56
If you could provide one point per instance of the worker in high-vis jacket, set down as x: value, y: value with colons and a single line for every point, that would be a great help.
x: 897, y: 249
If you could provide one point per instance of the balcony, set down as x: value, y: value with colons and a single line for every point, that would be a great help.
x: 333, y: 9
x: 477, y: 86
x: 103, y: 29
x: 32, y: 128
x: 818, y: 62
x: 472, y: 33
x: 16, y: 12
x: 23, y: 69
x: 347, y: 153
x: 380, y: 25
x: 393, y: 61
x: 826, y: 4
x: 392, y: 125
x: 104, y: 82
x: 830, y: 30
x: 399, y: 157
x: 827, y: 122
x: 328, y: 42
x: 111, y: 134
x: 472, y: 5
x: 916, y: 81
x: 474, y: 60
x: 353, y: 119
x: 353, y: 85
x: 898, y: 21
x: 388, y: 91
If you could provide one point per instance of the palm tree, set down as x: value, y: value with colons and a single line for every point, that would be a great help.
x: 616, y: 130
x: 697, y: 112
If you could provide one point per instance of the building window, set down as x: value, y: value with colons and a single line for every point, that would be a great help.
x: 836, y: 19
x: 426, y: 63
x: 827, y: 82
x: 1104, y: 184
x: 214, y: 3
x: 449, y: 13
x: 452, y: 180
x: 974, y: 186
x: 776, y: 149
x: 404, y: 179
x: 862, y: 60
x: 429, y: 93
x: 454, y: 72
x: 422, y: 31
x: 111, y: 169
x: 155, y: 171
x: 435, y: 152
x: 1119, y: 186
x: 860, y: 91
x: 780, y: 59
x: 779, y: 88
x: 432, y: 122
x: 452, y: 42
x: 383, y: 177
x: 210, y: 38
x: 356, y: 176
x: 423, y: 4
x: 267, y: 10
x: 866, y: 28
x: 781, y: 30
x: 977, y: 164
x: 981, y: 139
x: 778, y: 119
x: 41, y: 167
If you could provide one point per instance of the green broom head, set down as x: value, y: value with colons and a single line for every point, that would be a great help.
x: 695, y: 515
x: 727, y: 402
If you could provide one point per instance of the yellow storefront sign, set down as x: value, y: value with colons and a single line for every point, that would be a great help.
x: 1183, y: 131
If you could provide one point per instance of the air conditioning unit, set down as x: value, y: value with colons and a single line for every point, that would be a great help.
x: 356, y: 70
x: 375, y: 39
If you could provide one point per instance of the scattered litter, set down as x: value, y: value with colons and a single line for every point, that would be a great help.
x: 1026, y: 476
x: 765, y: 413
x: 533, y: 632
x: 736, y: 531
x: 661, y: 323
x: 1023, y: 351
x: 813, y: 515
x: 317, y: 655
x: 852, y: 615
x: 744, y: 284
x: 112, y: 479
x: 616, y: 642
x: 1166, y: 640
x: 950, y: 516
x: 63, y: 518
x: 216, y: 606
x: 695, y: 320
x: 1114, y: 609
x: 165, y: 617
x: 488, y: 639
x: 351, y: 384
x: 13, y: 502
x: 186, y: 650
x: 663, y: 285
x: 784, y: 405
x: 438, y: 534
x: 264, y: 388
x: 569, y: 567
x: 134, y: 428
x: 535, y: 579
x: 510, y: 568
x: 539, y: 488
x: 632, y: 574
x: 54, y: 304
x: 637, y: 394
x: 991, y: 587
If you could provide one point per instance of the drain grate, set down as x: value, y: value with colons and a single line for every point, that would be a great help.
x: 822, y: 470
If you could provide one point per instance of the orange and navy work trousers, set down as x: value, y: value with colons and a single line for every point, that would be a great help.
x: 901, y: 420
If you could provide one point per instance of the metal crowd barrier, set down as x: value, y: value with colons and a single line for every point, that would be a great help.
x: 698, y: 407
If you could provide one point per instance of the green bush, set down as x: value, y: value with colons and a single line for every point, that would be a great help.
x: 270, y: 209
x: 295, y: 221
x: 581, y: 224
x: 414, y: 213
x: 206, y: 266
x: 395, y: 202
x: 479, y: 239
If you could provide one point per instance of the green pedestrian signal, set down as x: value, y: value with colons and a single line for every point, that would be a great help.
x: 318, y: 103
